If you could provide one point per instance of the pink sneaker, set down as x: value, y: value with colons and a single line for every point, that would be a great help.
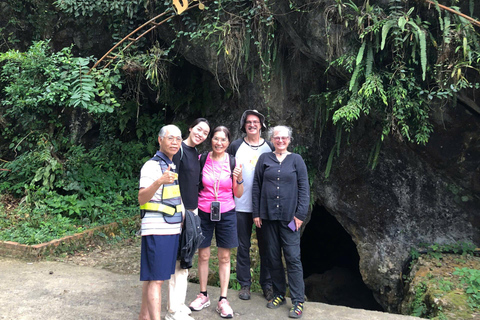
x: 201, y: 302
x: 224, y: 309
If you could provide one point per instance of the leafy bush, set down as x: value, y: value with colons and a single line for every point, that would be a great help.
x: 470, y: 278
x: 61, y: 182
x: 36, y: 227
x: 41, y: 88
x: 87, y: 189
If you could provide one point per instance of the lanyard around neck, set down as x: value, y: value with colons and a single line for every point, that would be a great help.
x: 216, y: 182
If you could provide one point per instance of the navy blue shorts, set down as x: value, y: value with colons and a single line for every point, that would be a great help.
x: 225, y: 229
x: 159, y: 254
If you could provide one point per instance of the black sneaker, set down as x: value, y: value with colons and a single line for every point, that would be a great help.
x: 296, y: 311
x: 276, y: 302
x: 244, y: 293
x: 268, y: 293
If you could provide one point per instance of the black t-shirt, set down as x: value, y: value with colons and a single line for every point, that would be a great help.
x: 188, y: 168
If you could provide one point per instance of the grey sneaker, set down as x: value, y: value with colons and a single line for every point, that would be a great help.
x: 296, y: 311
x: 244, y: 293
x: 276, y: 302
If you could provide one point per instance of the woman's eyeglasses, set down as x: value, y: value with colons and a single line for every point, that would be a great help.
x: 277, y: 138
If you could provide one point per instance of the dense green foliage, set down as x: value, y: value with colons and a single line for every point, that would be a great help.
x: 470, y: 278
x: 65, y: 196
x: 406, y: 60
x: 396, y: 73
x: 65, y: 187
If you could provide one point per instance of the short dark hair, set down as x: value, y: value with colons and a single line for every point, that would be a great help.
x: 224, y: 130
x: 197, y: 121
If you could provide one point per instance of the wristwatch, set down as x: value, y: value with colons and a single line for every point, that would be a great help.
x: 240, y: 182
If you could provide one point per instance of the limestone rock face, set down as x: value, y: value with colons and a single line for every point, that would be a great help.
x: 408, y: 199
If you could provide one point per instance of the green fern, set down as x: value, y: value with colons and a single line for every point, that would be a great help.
x: 329, y: 163
x: 369, y: 62
x: 358, y: 65
x: 386, y: 27
x: 335, y: 149
x: 83, y: 87
x: 420, y: 34
x: 374, y: 153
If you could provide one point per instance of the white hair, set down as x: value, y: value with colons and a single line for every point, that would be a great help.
x: 164, y: 129
x: 271, y: 131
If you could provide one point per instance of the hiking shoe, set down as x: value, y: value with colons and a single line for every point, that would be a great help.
x: 244, y: 293
x: 268, y: 293
x: 276, y: 302
x: 296, y: 311
x: 224, y: 309
x: 201, y: 302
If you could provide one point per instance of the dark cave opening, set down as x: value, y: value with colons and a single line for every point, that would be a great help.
x: 331, y: 264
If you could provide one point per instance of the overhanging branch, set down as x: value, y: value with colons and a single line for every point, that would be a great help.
x: 472, y: 20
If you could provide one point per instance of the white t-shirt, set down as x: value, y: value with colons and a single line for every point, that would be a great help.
x: 248, y: 157
x: 153, y: 223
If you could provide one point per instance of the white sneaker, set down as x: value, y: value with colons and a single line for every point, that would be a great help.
x: 185, y: 309
x: 178, y: 316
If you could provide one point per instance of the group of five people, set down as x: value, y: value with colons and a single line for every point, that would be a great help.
x: 235, y: 185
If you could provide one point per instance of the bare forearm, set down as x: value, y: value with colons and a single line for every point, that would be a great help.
x: 146, y: 194
x: 237, y: 189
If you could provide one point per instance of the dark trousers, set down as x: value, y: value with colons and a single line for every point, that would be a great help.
x: 281, y: 237
x: 244, y: 232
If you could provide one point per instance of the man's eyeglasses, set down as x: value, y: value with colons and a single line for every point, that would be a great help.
x: 281, y: 138
x: 252, y: 122
x: 172, y: 138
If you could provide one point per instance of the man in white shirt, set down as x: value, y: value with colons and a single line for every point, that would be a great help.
x: 246, y: 150
x: 162, y: 210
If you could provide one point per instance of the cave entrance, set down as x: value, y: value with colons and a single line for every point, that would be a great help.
x: 331, y: 264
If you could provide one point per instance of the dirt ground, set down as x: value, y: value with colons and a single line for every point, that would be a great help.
x: 31, y: 290
x: 122, y: 260
x: 122, y: 257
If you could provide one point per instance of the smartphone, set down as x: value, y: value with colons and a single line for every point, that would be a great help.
x: 292, y: 225
x: 215, y: 211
